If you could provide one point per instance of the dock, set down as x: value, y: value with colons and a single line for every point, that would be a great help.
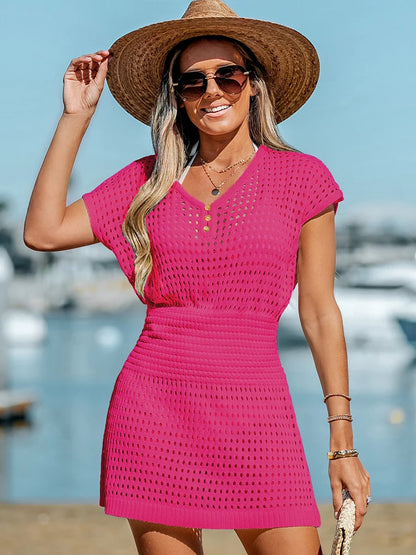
x: 15, y: 404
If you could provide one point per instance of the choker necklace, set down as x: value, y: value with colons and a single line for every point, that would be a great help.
x: 228, y: 167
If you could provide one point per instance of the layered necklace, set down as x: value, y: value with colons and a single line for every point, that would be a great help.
x: 234, y: 167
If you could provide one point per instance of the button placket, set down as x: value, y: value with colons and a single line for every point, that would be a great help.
x: 207, y: 216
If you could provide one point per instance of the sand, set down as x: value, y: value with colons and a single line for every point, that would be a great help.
x: 84, y: 529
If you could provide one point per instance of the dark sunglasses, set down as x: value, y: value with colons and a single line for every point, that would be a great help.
x: 192, y: 85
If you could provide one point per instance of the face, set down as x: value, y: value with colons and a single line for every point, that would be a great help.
x: 215, y: 112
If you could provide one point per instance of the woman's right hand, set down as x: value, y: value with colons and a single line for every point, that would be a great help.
x: 50, y: 224
x: 84, y: 81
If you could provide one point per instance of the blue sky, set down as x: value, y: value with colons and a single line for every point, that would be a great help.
x: 360, y: 120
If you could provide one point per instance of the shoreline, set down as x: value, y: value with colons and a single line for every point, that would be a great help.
x: 75, y: 528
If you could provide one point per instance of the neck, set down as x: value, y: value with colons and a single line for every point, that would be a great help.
x: 225, y: 149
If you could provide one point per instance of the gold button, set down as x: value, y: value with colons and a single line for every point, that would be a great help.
x: 208, y: 218
x: 207, y: 207
x: 206, y: 228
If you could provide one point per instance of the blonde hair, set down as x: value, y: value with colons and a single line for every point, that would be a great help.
x: 173, y: 136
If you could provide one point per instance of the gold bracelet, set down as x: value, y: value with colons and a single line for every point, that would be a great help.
x: 339, y: 417
x: 332, y: 455
x: 336, y: 395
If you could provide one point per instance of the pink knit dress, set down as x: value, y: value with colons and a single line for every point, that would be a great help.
x: 201, y: 430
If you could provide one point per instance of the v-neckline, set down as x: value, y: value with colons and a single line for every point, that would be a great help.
x: 221, y: 196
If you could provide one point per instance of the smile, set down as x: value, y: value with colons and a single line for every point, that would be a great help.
x: 216, y: 109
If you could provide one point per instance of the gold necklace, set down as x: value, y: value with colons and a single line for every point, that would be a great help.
x: 228, y: 167
x: 216, y: 190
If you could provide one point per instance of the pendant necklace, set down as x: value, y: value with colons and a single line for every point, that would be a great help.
x: 216, y: 190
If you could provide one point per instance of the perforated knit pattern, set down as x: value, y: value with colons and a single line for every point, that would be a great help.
x: 201, y: 430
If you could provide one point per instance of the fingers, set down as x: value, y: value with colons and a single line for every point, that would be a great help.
x: 84, y: 81
x: 85, y: 60
x: 89, y: 64
x: 350, y: 474
x: 360, y: 500
x: 337, y: 498
x: 102, y: 71
x: 359, y: 492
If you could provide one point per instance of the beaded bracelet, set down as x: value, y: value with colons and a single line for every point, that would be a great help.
x: 336, y: 395
x: 339, y: 417
x: 332, y: 455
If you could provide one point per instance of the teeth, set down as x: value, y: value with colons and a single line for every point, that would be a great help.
x: 216, y: 109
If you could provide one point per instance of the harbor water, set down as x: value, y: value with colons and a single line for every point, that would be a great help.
x: 55, y: 457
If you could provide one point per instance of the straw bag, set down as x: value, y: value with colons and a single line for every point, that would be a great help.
x: 345, y: 526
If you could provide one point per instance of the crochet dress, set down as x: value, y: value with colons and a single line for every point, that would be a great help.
x: 201, y: 430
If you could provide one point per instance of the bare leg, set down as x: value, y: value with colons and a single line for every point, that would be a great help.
x: 158, y: 539
x: 301, y: 540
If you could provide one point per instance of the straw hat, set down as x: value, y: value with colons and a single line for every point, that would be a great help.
x: 138, y: 58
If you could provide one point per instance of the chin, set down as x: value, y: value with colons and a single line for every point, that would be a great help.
x: 220, y: 128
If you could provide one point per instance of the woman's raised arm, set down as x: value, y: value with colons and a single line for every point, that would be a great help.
x: 50, y: 224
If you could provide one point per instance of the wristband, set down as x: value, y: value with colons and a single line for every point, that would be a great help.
x: 339, y: 417
x: 332, y: 455
x: 347, y: 397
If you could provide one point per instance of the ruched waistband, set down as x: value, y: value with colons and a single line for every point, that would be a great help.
x: 201, y: 342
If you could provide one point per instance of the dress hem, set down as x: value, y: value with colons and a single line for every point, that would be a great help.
x: 212, y: 519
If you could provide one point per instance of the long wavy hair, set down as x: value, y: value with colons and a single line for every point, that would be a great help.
x: 173, y: 136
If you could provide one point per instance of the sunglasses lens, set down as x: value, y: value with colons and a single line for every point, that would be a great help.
x: 231, y: 79
x: 193, y: 85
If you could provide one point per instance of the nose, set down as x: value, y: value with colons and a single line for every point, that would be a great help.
x: 212, y: 87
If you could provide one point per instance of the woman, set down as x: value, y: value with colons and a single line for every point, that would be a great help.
x: 213, y: 232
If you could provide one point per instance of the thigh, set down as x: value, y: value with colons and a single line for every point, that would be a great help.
x: 158, y: 539
x: 302, y: 540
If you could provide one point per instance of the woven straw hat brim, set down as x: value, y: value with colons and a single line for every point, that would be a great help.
x: 138, y: 60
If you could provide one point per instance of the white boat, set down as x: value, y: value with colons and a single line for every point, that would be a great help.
x: 6, y: 275
x: 23, y: 328
x: 15, y: 404
x: 370, y: 299
x: 392, y: 275
x: 88, y: 280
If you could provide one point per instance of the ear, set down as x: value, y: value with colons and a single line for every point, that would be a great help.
x: 253, y: 90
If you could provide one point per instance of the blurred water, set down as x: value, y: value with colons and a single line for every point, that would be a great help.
x: 57, y: 457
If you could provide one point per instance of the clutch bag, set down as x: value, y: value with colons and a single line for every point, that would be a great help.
x: 345, y: 526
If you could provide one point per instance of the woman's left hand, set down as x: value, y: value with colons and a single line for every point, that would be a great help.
x: 349, y: 473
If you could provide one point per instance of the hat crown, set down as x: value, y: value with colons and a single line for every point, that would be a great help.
x: 208, y: 8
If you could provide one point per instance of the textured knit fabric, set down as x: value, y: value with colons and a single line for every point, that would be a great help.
x: 201, y: 430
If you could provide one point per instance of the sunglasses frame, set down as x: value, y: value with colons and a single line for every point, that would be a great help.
x: 213, y: 76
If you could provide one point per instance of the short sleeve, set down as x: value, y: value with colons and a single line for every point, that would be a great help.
x: 107, y: 204
x: 320, y: 189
